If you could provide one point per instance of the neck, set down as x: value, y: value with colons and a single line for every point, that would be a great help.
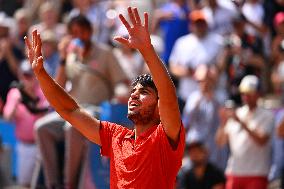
x: 252, y: 107
x: 141, y: 128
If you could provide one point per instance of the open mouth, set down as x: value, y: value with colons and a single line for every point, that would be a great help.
x: 133, y: 104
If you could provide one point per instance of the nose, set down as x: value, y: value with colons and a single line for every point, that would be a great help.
x: 134, y: 95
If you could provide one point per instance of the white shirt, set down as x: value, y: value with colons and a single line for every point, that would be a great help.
x: 248, y: 158
x: 190, y: 51
x: 255, y: 14
x: 219, y: 20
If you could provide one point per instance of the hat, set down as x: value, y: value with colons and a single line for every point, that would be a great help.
x: 278, y: 18
x: 197, y: 15
x: 249, y: 84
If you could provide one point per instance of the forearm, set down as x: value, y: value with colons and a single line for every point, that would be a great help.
x: 221, y: 136
x: 58, y: 98
x: 260, y: 139
x: 60, y: 77
x: 159, y: 73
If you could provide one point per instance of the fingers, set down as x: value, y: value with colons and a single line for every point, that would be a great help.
x: 131, y: 15
x: 122, y: 40
x: 38, y: 45
x: 28, y: 43
x: 146, y: 22
x: 34, y: 36
x: 125, y: 23
x: 137, y: 17
x: 40, y: 62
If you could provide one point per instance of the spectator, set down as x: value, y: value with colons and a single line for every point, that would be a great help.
x: 94, y: 74
x: 241, y: 56
x: 25, y: 104
x: 49, y: 20
x: 219, y: 17
x: 200, y: 115
x: 10, y: 56
x: 23, y: 21
x: 248, y: 131
x: 95, y: 11
x: 172, y: 19
x: 253, y: 11
x: 50, y: 52
x: 203, y: 174
x: 191, y: 50
x: 280, y: 133
x: 276, y: 172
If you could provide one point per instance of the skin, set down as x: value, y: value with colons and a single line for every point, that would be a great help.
x: 166, y: 104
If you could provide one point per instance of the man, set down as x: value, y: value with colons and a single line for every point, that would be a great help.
x: 248, y: 131
x: 200, y: 114
x: 203, y: 174
x: 148, y: 156
x: 203, y: 46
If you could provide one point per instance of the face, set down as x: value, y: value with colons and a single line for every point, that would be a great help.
x: 200, y: 28
x: 250, y: 98
x: 143, y: 105
x: 81, y: 33
x: 197, y: 155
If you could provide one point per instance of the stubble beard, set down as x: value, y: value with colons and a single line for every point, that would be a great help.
x: 143, y: 116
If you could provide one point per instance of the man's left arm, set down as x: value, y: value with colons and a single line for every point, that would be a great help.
x: 139, y: 38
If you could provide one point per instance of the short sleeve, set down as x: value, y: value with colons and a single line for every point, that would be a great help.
x: 13, y: 97
x: 173, y: 153
x: 107, y: 131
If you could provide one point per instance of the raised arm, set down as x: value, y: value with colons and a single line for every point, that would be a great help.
x: 60, y: 100
x: 139, y: 38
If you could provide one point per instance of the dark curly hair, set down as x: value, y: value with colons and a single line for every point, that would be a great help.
x: 145, y: 80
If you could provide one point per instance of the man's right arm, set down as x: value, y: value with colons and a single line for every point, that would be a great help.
x: 60, y: 100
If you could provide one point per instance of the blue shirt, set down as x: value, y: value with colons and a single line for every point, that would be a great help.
x: 173, y: 28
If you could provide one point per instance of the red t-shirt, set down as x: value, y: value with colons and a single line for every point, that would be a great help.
x: 148, y: 162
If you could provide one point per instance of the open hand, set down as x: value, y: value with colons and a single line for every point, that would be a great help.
x: 34, y: 51
x: 139, y: 37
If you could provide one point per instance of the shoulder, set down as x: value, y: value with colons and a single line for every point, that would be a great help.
x: 186, y: 38
x: 113, y: 127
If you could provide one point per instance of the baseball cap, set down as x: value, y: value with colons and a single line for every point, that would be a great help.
x: 197, y: 15
x: 249, y: 84
x: 278, y: 18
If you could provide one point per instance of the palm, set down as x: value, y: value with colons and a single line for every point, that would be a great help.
x: 34, y: 51
x: 139, y: 37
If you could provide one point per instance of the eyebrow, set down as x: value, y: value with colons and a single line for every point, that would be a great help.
x: 141, y: 89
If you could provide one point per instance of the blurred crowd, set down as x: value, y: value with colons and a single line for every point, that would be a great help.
x: 225, y: 57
